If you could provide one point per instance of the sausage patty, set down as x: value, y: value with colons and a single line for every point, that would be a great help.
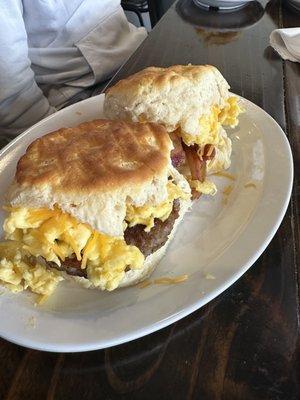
x: 147, y: 242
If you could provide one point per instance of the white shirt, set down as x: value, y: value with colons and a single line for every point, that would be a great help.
x: 51, y: 49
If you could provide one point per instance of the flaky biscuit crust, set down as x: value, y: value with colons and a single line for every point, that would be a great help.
x: 96, y: 156
x: 175, y: 97
x: 161, y: 78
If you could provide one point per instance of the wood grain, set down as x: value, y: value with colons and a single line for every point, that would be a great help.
x: 244, y: 345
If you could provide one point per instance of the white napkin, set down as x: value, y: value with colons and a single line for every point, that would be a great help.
x: 287, y: 43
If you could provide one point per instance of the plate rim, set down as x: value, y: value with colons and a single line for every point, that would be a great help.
x: 201, y: 301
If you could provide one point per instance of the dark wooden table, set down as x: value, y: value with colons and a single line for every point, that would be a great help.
x: 244, y: 344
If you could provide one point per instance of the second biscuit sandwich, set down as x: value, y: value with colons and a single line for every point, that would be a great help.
x: 193, y: 102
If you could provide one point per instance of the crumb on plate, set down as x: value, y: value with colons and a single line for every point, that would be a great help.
x: 209, y: 276
x: 250, y: 184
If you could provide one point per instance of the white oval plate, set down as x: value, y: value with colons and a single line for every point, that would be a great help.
x: 217, y: 242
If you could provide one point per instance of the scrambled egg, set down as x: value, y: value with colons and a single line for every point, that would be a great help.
x: 206, y: 187
x: 55, y: 236
x: 145, y: 215
x: 107, y: 259
x: 17, y: 275
x: 228, y: 115
x: 210, y: 124
x: 210, y: 134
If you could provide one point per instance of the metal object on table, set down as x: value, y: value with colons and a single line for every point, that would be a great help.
x: 154, y: 7
x: 155, y: 11
x: 136, y: 6
x: 222, y: 5
x: 221, y: 21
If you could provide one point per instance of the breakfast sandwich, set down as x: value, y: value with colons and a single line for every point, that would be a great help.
x: 194, y: 104
x: 97, y: 203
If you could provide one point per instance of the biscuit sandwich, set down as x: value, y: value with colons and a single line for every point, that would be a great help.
x: 97, y: 203
x: 194, y: 104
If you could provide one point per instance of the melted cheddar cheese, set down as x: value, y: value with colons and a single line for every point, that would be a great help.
x: 209, y: 125
x: 146, y: 214
x: 55, y: 235
x: 17, y: 275
x: 107, y: 259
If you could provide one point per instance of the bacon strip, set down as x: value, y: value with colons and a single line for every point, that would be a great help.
x: 209, y: 152
x: 177, y: 154
x: 196, y: 166
x: 206, y: 152
x: 195, y: 156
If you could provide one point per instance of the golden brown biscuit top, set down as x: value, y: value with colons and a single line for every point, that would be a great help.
x: 97, y: 156
x: 161, y: 77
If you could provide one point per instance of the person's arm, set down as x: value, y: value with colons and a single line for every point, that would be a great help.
x: 22, y: 102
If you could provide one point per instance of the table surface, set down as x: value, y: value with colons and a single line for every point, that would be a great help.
x: 244, y: 344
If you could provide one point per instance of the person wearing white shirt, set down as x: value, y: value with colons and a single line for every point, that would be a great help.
x: 52, y: 49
